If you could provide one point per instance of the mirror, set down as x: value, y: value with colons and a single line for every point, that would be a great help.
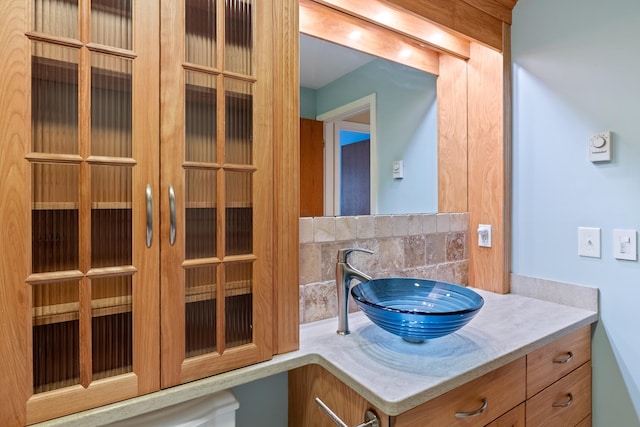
x: 396, y: 105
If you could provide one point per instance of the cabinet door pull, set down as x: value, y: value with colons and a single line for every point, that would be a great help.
x: 172, y: 215
x: 564, y: 359
x: 566, y: 403
x: 370, y: 418
x: 149, y: 215
x: 480, y: 410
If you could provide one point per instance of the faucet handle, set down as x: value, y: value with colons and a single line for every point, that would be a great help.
x: 344, y: 253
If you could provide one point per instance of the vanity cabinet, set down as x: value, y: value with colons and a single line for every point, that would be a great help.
x: 559, y: 382
x: 137, y: 199
x: 476, y: 403
x: 550, y: 386
x: 313, y: 381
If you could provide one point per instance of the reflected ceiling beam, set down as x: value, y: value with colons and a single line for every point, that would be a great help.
x: 409, y: 25
x: 335, y: 26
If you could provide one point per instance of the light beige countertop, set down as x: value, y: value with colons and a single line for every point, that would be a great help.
x: 392, y: 374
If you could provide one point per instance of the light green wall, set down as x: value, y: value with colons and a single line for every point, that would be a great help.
x: 308, y: 103
x: 575, y: 73
x: 263, y: 402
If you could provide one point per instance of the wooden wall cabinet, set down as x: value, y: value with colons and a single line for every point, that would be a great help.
x: 138, y: 201
x: 550, y: 386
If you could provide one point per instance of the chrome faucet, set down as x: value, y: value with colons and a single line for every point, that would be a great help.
x: 344, y: 274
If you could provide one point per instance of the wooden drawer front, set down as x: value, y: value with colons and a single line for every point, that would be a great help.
x: 503, y: 388
x: 574, y: 390
x: 556, y: 359
x: 513, y: 418
x: 586, y: 422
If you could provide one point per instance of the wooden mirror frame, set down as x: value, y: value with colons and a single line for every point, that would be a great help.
x: 470, y: 55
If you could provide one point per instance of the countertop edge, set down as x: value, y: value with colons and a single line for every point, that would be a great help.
x: 302, y: 357
x: 132, y: 407
x: 394, y: 408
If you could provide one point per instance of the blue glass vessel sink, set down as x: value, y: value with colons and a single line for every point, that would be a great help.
x: 417, y: 309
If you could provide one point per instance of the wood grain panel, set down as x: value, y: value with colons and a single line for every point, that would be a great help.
x: 460, y: 17
x: 586, y: 422
x: 15, y: 295
x: 503, y: 388
x: 380, y: 13
x: 564, y: 403
x: 311, y: 168
x: 513, y: 418
x: 198, y: 367
x: 337, y: 27
x: 494, y: 8
x: 264, y: 196
x: 547, y: 364
x: 311, y: 381
x: 286, y: 129
x: 67, y: 400
x: 507, y: 157
x: 146, y: 133
x: 172, y: 98
x: 452, y: 135
x: 508, y: 3
x: 486, y: 168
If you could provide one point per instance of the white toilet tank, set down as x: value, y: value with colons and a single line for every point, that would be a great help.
x: 215, y: 410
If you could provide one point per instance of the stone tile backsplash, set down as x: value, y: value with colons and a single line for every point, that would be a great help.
x: 430, y: 246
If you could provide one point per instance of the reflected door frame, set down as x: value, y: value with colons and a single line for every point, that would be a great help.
x: 334, y: 122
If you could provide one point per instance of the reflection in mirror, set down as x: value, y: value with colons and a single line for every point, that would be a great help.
x: 341, y: 87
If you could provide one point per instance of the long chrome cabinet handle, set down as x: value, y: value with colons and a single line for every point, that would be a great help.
x: 370, y: 418
x: 480, y: 410
x: 149, y: 215
x: 172, y: 216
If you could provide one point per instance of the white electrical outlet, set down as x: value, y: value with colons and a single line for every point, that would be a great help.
x: 484, y: 235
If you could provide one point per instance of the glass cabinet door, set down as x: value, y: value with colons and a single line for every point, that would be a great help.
x: 216, y: 174
x: 93, y: 151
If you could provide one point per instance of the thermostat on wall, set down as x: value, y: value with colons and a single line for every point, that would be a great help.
x: 600, y: 147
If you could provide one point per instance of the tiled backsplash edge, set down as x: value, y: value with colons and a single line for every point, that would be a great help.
x: 432, y: 246
x: 578, y: 296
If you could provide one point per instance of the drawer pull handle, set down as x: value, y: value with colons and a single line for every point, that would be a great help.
x: 480, y: 410
x: 566, y: 403
x: 370, y: 418
x: 564, y: 359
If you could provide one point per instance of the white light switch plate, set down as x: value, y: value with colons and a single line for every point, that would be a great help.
x: 589, y: 242
x: 625, y: 244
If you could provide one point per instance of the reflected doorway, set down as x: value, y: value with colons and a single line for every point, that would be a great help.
x: 355, y: 168
x: 353, y: 182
